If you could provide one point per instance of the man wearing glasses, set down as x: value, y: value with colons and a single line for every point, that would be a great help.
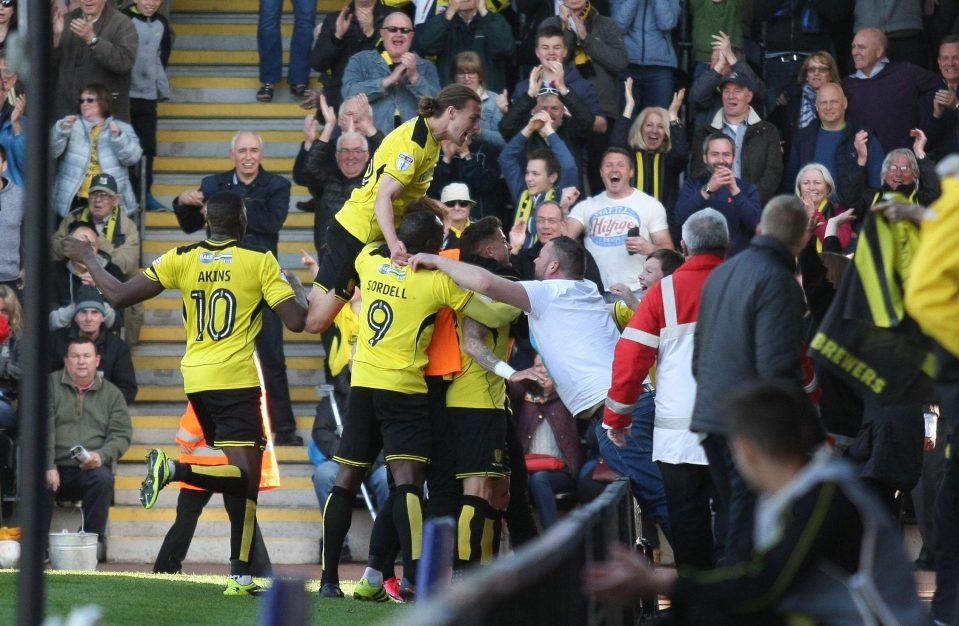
x: 392, y: 76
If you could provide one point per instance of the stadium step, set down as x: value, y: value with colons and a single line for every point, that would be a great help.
x: 213, y: 73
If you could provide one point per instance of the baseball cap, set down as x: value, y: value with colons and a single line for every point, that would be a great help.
x: 103, y: 182
x: 737, y: 79
x: 456, y: 191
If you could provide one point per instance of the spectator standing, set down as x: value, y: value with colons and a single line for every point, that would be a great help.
x: 149, y: 82
x: 11, y: 228
x: 749, y: 328
x: 8, y: 21
x: 847, y: 152
x: 900, y: 21
x: 330, y: 185
x: 94, y: 43
x: 116, y: 364
x: 266, y: 197
x: 759, y: 155
x: 939, y: 111
x: 548, y: 173
x: 709, y: 18
x: 11, y: 370
x: 93, y: 143
x: 269, y: 45
x: 467, y: 25
x: 647, y: 27
x: 474, y: 166
x: 705, y: 94
x: 554, y: 71
x: 88, y: 411
x: 13, y: 137
x: 468, y: 69
x: 341, y: 35
x: 118, y: 237
x: 661, y: 331
x: 884, y: 95
x: 556, y: 101
x: 392, y: 76
x: 658, y: 141
x: 795, y: 108
x: 793, y: 32
x: 722, y: 190
x: 620, y: 226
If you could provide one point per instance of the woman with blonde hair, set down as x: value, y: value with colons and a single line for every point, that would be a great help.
x: 11, y: 317
x: 815, y: 187
x: 658, y: 141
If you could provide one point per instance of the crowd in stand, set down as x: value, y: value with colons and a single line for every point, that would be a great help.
x: 797, y: 135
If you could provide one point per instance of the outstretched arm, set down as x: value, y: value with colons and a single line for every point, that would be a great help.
x: 119, y: 294
x: 476, y: 279
x: 474, y: 345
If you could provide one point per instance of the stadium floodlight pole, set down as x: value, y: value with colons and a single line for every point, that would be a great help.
x: 38, y: 53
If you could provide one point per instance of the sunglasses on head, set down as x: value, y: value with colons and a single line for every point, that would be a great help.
x: 548, y: 91
x: 389, y: 29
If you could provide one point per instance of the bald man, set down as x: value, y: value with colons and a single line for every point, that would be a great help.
x: 848, y: 152
x: 884, y: 95
x: 267, y: 200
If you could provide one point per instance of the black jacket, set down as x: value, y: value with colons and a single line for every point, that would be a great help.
x: 749, y: 328
x: 267, y: 201
x: 319, y: 173
x: 115, y: 360
x: 803, y: 151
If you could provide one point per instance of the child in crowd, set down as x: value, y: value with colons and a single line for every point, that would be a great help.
x: 149, y: 83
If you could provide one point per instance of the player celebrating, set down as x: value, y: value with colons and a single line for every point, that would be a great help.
x: 223, y: 284
x: 399, y: 172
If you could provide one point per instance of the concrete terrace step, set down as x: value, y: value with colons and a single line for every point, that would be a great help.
x: 293, y: 492
x: 238, y: 6
x: 166, y: 425
x: 173, y: 391
x: 215, y: 143
x: 265, y: 110
x: 285, y: 548
x: 296, y: 219
x: 284, y: 454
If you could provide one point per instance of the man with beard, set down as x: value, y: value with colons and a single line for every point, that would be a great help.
x: 720, y: 189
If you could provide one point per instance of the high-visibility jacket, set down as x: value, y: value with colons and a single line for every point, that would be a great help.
x: 190, y: 436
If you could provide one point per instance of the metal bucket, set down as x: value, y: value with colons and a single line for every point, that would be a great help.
x: 73, y: 551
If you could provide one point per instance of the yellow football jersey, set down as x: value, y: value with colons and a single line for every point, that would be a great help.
x: 396, y: 320
x: 475, y: 387
x: 224, y: 284
x: 408, y: 154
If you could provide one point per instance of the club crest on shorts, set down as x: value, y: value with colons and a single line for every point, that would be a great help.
x: 404, y: 161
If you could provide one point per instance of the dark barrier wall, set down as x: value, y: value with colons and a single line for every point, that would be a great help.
x: 540, y: 583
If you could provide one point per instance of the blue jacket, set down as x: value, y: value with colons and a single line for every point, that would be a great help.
x: 741, y: 211
x: 16, y: 147
x: 365, y: 73
x: 647, y: 25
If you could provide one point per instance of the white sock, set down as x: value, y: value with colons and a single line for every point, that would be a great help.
x: 242, y: 579
x: 373, y: 576
x: 171, y: 467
